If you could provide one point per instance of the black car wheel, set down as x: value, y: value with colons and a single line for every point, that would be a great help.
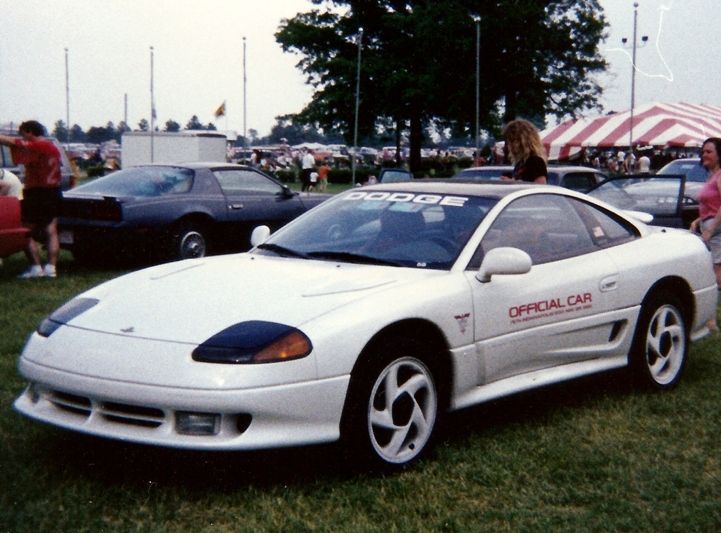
x: 660, y: 346
x: 392, y: 407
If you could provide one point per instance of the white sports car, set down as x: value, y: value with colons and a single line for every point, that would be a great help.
x: 369, y: 317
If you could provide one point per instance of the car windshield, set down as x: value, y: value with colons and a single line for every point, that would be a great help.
x: 656, y: 196
x: 141, y: 181
x: 383, y: 228
x: 691, y: 168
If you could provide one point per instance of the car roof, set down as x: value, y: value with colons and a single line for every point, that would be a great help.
x: 551, y: 166
x: 487, y: 188
x: 195, y: 165
x: 572, y: 168
x: 489, y: 167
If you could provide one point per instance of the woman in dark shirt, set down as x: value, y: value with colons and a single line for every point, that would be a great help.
x: 525, y: 151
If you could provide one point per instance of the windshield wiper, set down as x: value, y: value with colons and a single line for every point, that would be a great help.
x: 282, y: 250
x: 350, y: 257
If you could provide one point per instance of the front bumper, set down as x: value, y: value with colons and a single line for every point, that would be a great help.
x: 265, y: 417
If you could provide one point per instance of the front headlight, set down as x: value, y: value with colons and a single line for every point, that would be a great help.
x: 252, y: 342
x: 65, y: 314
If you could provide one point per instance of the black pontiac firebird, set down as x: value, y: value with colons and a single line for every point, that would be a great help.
x: 178, y: 211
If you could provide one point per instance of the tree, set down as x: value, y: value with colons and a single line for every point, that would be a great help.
x: 194, y: 124
x: 60, y: 132
x: 77, y: 134
x: 143, y: 125
x: 418, y: 62
x: 172, y: 126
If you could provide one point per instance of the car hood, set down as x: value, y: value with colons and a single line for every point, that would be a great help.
x: 189, y: 301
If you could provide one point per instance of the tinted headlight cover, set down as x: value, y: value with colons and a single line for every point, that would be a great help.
x: 65, y: 314
x: 254, y: 342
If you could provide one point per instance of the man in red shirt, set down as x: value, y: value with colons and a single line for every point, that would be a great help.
x: 42, y: 195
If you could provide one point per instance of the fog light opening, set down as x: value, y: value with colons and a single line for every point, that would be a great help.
x: 197, y: 424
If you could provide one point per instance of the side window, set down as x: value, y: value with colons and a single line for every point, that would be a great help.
x: 605, y: 230
x: 545, y: 226
x: 245, y: 182
x: 579, y: 181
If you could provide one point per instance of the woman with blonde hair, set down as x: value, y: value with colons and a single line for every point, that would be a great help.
x: 526, y: 152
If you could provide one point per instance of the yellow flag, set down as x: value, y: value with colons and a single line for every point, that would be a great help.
x: 220, y: 111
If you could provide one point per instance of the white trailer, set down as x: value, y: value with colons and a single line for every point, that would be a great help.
x: 142, y: 147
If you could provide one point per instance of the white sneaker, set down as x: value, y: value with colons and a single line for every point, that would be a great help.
x: 49, y: 271
x: 35, y: 271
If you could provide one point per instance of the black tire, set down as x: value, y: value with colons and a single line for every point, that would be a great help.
x: 660, y: 346
x: 391, y: 433
x: 189, y: 241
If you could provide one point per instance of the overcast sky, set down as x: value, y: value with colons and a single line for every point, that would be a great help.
x: 198, y: 60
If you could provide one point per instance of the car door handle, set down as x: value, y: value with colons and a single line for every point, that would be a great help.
x: 609, y: 284
x: 236, y: 206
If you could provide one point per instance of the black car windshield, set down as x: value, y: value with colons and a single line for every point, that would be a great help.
x: 141, y: 181
x: 410, y: 229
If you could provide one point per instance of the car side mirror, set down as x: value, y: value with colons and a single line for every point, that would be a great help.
x: 260, y: 235
x: 286, y: 192
x: 503, y: 260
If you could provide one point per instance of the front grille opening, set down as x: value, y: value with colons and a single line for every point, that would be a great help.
x: 132, y: 414
x: 71, y: 403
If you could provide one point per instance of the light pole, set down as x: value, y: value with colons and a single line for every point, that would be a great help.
x: 357, y: 103
x: 67, y: 97
x: 245, y: 108
x: 634, y: 45
x: 152, y: 107
x: 477, y: 20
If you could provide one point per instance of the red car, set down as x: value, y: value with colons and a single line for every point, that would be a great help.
x: 13, y: 236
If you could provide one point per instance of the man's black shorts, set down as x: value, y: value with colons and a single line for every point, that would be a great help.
x: 41, y: 205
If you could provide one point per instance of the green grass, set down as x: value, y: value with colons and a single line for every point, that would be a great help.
x: 592, y: 455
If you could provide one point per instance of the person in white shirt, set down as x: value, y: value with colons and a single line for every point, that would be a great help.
x: 307, y: 164
x: 10, y: 184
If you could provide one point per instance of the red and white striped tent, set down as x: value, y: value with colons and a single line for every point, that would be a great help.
x: 656, y: 124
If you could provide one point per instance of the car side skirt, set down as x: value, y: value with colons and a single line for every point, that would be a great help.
x: 536, y: 379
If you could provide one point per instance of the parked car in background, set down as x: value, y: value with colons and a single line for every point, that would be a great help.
x: 7, y: 162
x: 175, y: 211
x: 576, y: 178
x: 662, y: 197
x: 696, y: 175
x: 488, y: 172
x: 369, y: 318
x: 394, y: 175
x: 13, y: 235
x: 689, y: 166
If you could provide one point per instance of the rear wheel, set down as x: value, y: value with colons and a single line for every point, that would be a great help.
x: 189, y: 241
x: 392, y: 408
x: 660, y: 346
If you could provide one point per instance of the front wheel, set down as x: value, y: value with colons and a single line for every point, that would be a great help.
x: 660, y: 347
x: 392, y: 408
